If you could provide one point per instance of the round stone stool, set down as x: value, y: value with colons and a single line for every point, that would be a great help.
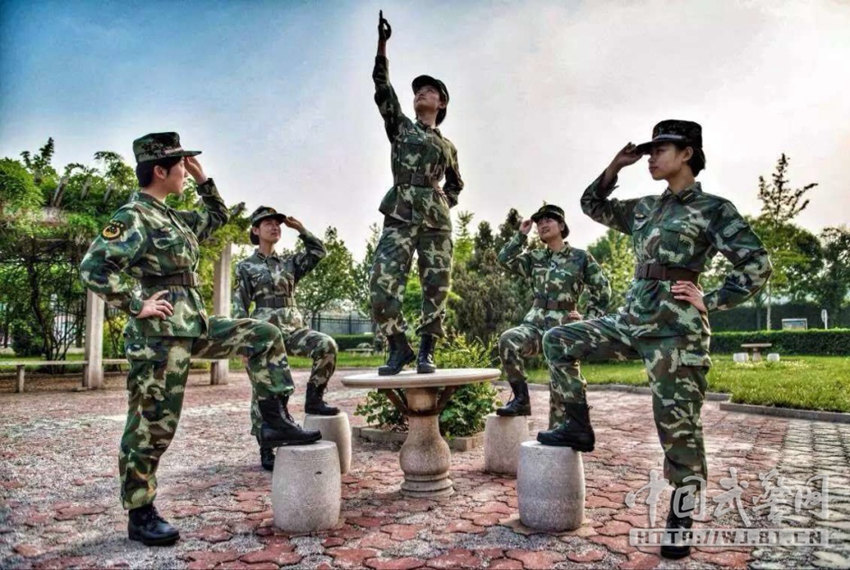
x: 502, y: 438
x: 550, y: 487
x: 306, y: 487
x: 336, y: 429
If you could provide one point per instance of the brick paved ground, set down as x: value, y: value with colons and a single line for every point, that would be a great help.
x: 59, y: 505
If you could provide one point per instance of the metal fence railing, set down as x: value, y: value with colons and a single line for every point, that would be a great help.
x: 351, y: 324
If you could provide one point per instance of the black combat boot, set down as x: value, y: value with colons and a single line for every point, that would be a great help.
x: 425, y: 362
x: 575, y: 432
x: 267, y: 458
x: 314, y: 402
x: 520, y: 404
x: 400, y: 355
x: 678, y: 528
x: 279, y: 428
x: 146, y: 526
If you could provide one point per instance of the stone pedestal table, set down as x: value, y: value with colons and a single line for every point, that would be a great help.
x: 425, y: 457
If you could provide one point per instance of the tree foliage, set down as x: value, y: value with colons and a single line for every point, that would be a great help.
x: 613, y: 252
x: 792, y: 249
x: 332, y: 281
x: 831, y: 285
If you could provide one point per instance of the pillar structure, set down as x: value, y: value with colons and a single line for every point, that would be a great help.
x: 221, y: 306
x: 93, y: 369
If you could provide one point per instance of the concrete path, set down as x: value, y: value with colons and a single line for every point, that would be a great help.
x: 59, y: 491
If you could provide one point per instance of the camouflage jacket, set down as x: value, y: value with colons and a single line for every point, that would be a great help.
x: 261, y: 278
x: 145, y: 239
x: 557, y: 276
x: 684, y: 230
x: 421, y: 156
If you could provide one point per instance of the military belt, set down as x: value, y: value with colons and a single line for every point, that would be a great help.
x: 664, y: 273
x: 414, y: 179
x: 187, y: 279
x: 554, y: 305
x: 275, y: 303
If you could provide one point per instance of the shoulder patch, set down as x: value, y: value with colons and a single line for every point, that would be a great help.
x: 113, y: 229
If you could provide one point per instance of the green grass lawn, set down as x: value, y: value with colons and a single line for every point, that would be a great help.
x: 808, y: 382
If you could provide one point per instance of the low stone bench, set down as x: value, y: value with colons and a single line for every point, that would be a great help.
x: 336, y: 429
x: 20, y: 368
x: 306, y: 487
x: 550, y: 487
x: 502, y: 439
x: 755, y: 349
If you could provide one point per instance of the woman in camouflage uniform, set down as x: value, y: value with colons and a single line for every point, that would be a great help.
x: 665, y: 319
x: 268, y: 280
x: 416, y: 213
x: 157, y: 247
x: 558, y: 274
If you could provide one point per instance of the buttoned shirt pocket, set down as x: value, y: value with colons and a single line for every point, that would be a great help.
x: 412, y: 151
x: 678, y: 241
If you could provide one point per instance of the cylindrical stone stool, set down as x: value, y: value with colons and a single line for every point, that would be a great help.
x: 306, y: 487
x: 502, y: 438
x: 550, y: 487
x: 336, y: 429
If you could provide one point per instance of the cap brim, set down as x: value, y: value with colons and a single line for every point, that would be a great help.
x: 187, y: 153
x: 279, y: 217
x: 645, y: 148
x: 537, y: 215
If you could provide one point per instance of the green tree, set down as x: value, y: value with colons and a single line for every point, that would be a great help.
x: 463, y: 240
x: 614, y: 253
x: 363, y: 271
x: 787, y: 244
x: 486, y: 300
x: 832, y: 284
x: 17, y: 190
x: 332, y: 281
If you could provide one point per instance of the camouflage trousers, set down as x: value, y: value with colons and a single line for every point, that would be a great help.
x: 517, y: 344
x: 156, y: 382
x: 676, y: 367
x: 393, y: 258
x: 309, y: 343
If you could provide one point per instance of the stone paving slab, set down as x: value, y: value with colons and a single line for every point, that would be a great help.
x: 59, y: 506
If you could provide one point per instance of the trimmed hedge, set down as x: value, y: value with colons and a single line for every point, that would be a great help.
x: 833, y: 342
x: 346, y: 341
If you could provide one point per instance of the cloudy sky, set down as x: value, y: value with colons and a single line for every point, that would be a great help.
x: 278, y: 95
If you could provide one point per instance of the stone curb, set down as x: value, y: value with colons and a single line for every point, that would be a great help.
x: 710, y: 396
x: 815, y: 415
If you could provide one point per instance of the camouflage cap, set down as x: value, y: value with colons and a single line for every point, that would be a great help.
x: 553, y: 212
x: 156, y: 146
x: 261, y: 214
x: 673, y: 130
x: 423, y: 80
